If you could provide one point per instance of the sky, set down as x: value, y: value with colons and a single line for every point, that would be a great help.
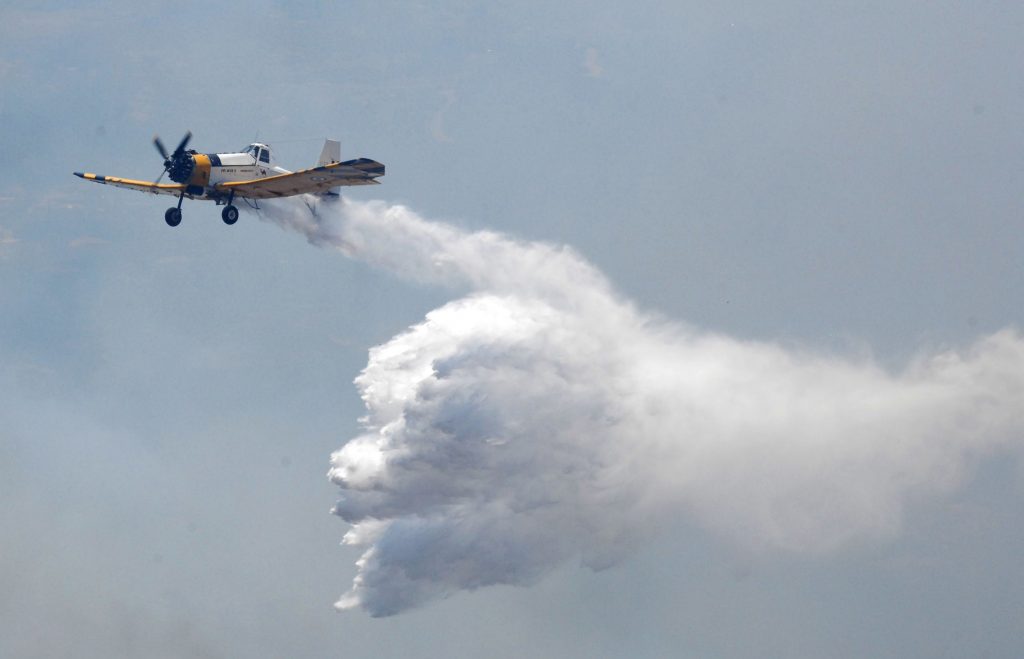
x: 825, y: 189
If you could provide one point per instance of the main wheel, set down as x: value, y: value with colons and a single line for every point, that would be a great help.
x: 172, y: 217
x: 229, y: 215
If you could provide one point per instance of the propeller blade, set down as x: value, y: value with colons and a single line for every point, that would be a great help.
x: 184, y: 143
x: 160, y: 146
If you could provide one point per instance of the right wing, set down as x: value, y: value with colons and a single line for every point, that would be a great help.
x: 361, y: 171
x: 142, y: 186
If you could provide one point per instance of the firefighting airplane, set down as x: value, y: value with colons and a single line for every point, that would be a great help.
x: 250, y: 174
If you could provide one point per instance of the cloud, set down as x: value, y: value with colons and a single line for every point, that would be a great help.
x: 592, y: 63
x: 437, y: 130
x: 42, y: 25
x: 541, y: 418
x: 87, y: 241
x: 7, y: 242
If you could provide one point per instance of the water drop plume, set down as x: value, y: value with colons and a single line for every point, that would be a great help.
x: 540, y: 417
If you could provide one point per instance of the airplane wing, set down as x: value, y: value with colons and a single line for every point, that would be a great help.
x: 361, y: 171
x: 142, y: 186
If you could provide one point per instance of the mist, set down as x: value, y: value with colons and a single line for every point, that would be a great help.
x: 540, y: 418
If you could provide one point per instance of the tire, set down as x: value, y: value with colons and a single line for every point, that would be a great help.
x: 172, y: 217
x: 229, y: 215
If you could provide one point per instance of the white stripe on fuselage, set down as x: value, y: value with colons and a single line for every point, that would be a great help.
x: 241, y: 167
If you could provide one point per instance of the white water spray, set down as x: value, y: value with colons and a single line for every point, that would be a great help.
x: 542, y: 418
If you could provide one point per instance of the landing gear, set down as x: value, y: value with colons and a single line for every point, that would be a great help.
x: 229, y: 215
x: 173, y: 215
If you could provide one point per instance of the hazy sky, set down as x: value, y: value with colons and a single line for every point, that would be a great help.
x: 840, y: 178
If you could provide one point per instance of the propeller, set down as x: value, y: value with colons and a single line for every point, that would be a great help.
x: 174, y: 160
x: 160, y: 147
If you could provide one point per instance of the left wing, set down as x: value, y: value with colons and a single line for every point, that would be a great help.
x: 361, y: 171
x: 142, y: 186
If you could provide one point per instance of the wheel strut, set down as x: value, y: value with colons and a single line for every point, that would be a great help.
x: 173, y: 215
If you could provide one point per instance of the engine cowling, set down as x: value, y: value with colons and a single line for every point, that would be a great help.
x: 180, y: 168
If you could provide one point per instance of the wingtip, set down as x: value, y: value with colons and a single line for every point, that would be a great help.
x: 79, y: 174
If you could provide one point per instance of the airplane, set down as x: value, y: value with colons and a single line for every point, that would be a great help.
x: 250, y: 174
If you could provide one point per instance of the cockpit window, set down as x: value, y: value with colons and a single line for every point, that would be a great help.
x: 265, y: 156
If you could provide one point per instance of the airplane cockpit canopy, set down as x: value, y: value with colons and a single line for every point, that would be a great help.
x: 259, y: 151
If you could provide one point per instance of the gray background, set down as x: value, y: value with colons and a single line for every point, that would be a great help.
x: 845, y: 176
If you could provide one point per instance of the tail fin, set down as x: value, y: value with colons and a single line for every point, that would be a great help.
x: 331, y: 153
